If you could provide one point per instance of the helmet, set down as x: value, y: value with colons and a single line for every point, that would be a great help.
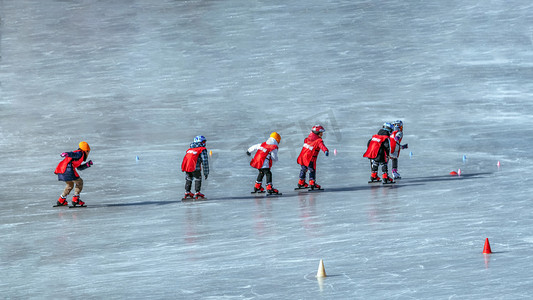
x: 200, y: 139
x: 398, y: 125
x: 387, y: 126
x: 317, y: 129
x: 276, y: 136
x: 84, y: 146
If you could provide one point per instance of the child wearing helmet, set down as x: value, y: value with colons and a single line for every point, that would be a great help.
x: 378, y: 151
x: 195, y: 159
x: 66, y: 171
x: 395, y: 147
x: 309, y: 155
x: 266, y: 154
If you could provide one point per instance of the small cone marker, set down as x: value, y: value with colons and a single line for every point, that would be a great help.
x: 486, y: 248
x: 321, y: 271
x: 137, y: 158
x: 335, y: 152
x: 498, y: 164
x: 210, y: 153
x: 459, y: 172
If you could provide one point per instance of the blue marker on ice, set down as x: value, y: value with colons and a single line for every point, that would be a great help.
x: 410, y: 154
x: 464, y: 158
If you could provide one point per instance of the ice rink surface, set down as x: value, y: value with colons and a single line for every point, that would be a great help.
x: 142, y: 78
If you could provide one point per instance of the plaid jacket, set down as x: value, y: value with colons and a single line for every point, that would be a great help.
x: 203, y: 159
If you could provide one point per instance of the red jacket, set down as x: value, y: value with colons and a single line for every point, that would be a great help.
x: 312, y: 146
x: 191, y: 157
x: 374, y: 145
x: 261, y: 154
x: 395, y: 139
x: 66, y: 169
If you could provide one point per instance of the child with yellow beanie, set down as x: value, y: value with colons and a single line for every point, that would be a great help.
x: 266, y: 154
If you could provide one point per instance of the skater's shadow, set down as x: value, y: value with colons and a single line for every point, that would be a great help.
x: 142, y: 203
x: 443, y: 178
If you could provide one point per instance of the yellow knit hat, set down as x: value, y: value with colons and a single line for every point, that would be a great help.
x: 276, y: 136
x: 84, y: 146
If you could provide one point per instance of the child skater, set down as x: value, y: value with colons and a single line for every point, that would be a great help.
x: 266, y: 154
x: 308, y: 157
x: 395, y: 147
x: 195, y: 158
x: 378, y: 152
x: 66, y: 171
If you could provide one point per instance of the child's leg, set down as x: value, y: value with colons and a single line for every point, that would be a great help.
x: 198, y: 180
x: 312, y: 171
x: 385, y: 167
x: 79, y: 186
x: 260, y: 176
x: 303, y: 172
x: 394, y: 163
x: 68, y: 188
x: 188, y: 181
x: 268, y: 174
x: 374, y: 166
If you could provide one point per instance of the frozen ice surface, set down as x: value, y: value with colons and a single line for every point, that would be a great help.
x: 142, y: 78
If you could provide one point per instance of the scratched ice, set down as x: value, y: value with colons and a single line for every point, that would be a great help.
x: 142, y: 78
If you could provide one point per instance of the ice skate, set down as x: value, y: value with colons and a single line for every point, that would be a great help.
x: 374, y: 177
x: 386, y: 179
x: 272, y: 191
x: 314, y: 186
x: 302, y: 184
x: 199, y: 195
x: 188, y: 195
x: 395, y: 174
x: 61, y: 202
x: 258, y: 188
x: 76, y: 201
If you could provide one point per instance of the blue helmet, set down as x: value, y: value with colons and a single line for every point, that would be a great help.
x: 387, y: 126
x: 200, y: 139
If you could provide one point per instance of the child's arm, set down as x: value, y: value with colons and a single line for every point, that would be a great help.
x: 252, y: 149
x: 205, y: 162
x: 274, y: 155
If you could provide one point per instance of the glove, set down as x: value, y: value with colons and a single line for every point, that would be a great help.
x: 248, y: 153
x: 327, y: 153
x: 64, y: 154
x: 205, y: 176
x: 405, y: 146
x: 89, y: 163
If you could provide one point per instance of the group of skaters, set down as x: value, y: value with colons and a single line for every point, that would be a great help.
x: 384, y: 145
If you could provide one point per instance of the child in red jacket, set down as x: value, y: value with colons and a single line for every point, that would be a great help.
x: 308, y: 157
x: 66, y: 171
x: 267, y: 153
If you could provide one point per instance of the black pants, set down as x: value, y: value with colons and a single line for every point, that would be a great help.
x: 188, y: 180
x: 374, y: 166
x: 262, y: 173
x: 312, y: 171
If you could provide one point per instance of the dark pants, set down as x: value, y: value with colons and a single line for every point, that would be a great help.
x: 312, y: 171
x: 188, y: 180
x: 374, y: 166
x: 262, y: 173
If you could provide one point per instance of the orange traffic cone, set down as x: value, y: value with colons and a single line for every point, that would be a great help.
x: 486, y: 249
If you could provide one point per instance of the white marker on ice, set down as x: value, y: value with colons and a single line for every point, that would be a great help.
x: 459, y: 172
x: 335, y: 152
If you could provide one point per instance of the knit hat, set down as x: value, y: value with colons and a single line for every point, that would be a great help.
x: 84, y: 146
